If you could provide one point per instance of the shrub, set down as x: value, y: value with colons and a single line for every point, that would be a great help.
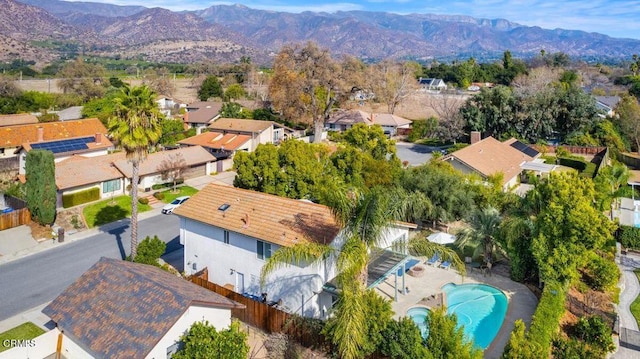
x: 41, y: 186
x: 594, y: 331
x: 204, y: 341
x: 149, y: 250
x: 573, y: 163
x: 143, y: 200
x: 600, y: 273
x: 546, y: 319
x: 629, y: 236
x: 402, y: 340
x: 159, y: 195
x: 80, y: 197
x: 573, y: 349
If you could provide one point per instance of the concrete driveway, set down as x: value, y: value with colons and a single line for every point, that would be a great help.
x: 416, y: 154
x: 16, y: 239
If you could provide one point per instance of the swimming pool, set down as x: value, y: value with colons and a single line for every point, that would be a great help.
x: 419, y: 316
x: 480, y: 308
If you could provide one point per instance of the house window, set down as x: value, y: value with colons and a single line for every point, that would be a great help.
x: 263, y: 250
x: 111, y: 186
x: 226, y: 237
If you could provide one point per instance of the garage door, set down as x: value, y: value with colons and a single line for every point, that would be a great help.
x: 195, y: 171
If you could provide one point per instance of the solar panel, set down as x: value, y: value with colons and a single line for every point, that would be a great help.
x: 61, y: 146
x: 531, y: 152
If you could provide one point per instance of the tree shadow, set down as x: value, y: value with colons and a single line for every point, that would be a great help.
x: 109, y: 214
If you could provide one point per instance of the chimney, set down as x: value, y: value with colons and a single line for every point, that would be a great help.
x: 40, y: 134
x: 98, y: 138
x: 476, y: 136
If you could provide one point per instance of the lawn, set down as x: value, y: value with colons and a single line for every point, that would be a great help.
x: 107, y: 211
x: 170, y: 195
x: 635, y: 306
x: 23, y: 331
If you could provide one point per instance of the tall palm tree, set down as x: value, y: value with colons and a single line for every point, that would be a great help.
x: 136, y: 128
x: 483, y: 232
x: 364, y: 218
x: 611, y: 184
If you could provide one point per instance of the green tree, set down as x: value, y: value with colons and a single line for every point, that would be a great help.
x: 211, y: 87
x: 402, y: 340
x: 370, y: 139
x: 102, y: 108
x: 482, y: 233
x: 446, y: 340
x: 568, y: 226
x: 423, y: 129
x: 203, y: 341
x: 234, y: 110
x: 40, y: 175
x: 83, y: 78
x: 136, y: 129
x: 635, y: 64
x: 492, y: 111
x: 150, y: 250
x: 611, y: 184
x: 628, y: 111
x: 518, y: 346
x: 234, y: 92
x: 173, y: 131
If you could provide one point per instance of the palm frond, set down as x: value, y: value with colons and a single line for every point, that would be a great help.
x: 299, y: 254
x: 349, y: 331
x: 423, y: 247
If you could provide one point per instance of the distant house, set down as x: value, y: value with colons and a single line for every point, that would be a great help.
x: 607, y: 104
x: 431, y: 84
x: 343, y: 120
x: 200, y: 114
x: 79, y: 173
x: 232, y: 232
x: 390, y: 123
x: 65, y: 139
x: 18, y: 119
x: 196, y: 161
x: 119, y: 309
x: 165, y: 104
x: 489, y: 157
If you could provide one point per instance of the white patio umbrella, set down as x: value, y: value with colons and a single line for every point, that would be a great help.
x: 442, y: 238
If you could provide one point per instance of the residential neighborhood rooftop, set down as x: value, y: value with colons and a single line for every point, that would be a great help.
x: 192, y: 155
x: 119, y: 309
x: 18, y: 119
x: 79, y: 171
x: 349, y: 117
x: 217, y: 140
x: 274, y: 219
x: 14, y: 136
x: 204, y: 114
x: 387, y: 119
x: 240, y: 125
x: 490, y: 156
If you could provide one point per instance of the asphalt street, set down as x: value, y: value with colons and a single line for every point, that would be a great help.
x: 414, y: 153
x: 39, y: 278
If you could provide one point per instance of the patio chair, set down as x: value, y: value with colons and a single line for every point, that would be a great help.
x: 445, y: 265
x: 433, y: 260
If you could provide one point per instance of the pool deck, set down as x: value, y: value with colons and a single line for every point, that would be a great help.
x: 522, y: 302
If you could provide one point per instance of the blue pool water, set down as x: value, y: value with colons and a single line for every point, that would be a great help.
x: 480, y: 308
x: 419, y: 316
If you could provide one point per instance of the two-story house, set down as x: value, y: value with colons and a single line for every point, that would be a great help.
x: 233, y: 231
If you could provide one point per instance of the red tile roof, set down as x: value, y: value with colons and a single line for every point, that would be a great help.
x: 118, y: 309
x: 217, y: 140
x: 274, y: 219
x: 14, y: 136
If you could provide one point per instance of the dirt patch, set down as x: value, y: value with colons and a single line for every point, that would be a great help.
x: 71, y: 219
x: 588, y: 303
x: 40, y: 232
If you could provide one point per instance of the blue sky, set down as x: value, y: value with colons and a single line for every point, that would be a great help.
x: 618, y: 18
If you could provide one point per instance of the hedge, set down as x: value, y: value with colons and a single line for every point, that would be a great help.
x: 166, y: 184
x: 546, y: 319
x: 81, y: 197
x: 629, y: 237
x: 143, y: 200
x: 573, y: 163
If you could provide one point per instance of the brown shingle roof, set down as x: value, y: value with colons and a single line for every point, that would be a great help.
x: 80, y: 171
x: 119, y: 309
x: 19, y: 119
x: 240, y: 125
x: 203, y: 114
x: 216, y: 140
x: 274, y: 219
x: 387, y: 119
x: 193, y: 156
x: 14, y: 136
x: 351, y: 117
x: 490, y: 156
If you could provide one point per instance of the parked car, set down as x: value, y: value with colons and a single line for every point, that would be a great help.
x: 168, y: 209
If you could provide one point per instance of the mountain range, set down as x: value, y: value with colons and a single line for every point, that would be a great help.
x: 227, y: 32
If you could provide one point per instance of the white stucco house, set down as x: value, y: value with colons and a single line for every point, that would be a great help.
x: 232, y: 232
x: 120, y: 309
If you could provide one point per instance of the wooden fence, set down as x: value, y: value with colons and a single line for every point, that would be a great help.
x: 9, y: 164
x: 579, y: 150
x: 304, y: 331
x: 15, y: 218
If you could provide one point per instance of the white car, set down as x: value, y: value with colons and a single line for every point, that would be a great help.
x: 168, y: 209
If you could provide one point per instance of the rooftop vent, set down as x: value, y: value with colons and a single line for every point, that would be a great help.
x: 224, y: 207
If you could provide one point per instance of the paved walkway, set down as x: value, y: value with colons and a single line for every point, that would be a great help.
x: 630, y: 290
